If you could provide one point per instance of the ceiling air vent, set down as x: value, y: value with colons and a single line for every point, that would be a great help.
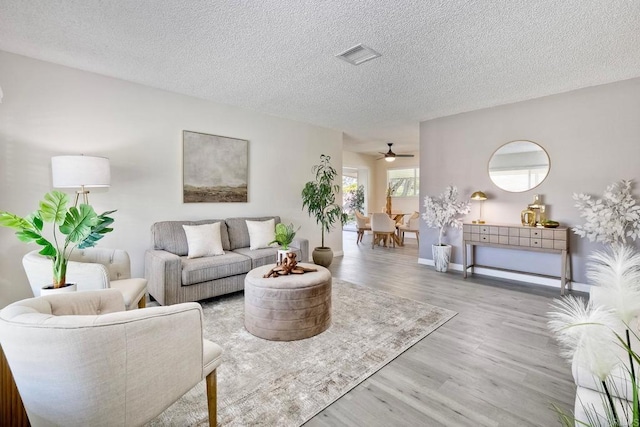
x: 358, y: 54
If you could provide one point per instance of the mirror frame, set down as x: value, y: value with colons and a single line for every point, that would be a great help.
x: 511, y: 142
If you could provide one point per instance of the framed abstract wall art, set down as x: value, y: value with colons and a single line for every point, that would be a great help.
x: 215, y: 168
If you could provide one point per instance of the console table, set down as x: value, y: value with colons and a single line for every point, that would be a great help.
x: 553, y: 240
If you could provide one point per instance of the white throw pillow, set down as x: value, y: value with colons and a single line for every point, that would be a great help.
x: 203, y: 240
x: 261, y: 233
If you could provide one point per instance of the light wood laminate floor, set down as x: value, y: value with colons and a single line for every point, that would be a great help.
x: 494, y: 364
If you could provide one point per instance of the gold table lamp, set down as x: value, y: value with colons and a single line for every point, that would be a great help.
x: 481, y: 197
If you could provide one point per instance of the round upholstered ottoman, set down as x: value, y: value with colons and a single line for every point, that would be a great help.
x: 287, y: 308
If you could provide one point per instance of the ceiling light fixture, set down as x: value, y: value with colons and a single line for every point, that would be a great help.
x: 358, y: 54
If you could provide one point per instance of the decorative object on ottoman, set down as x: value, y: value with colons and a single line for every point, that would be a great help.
x: 319, y: 197
x: 291, y: 308
x: 81, y: 226
x: 441, y: 212
x: 288, y: 265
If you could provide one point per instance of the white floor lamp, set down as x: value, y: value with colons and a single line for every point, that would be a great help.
x: 82, y: 172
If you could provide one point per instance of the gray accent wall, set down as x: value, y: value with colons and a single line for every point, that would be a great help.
x: 592, y: 137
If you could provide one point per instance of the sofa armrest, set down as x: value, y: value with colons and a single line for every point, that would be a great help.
x: 303, y: 245
x: 163, y: 271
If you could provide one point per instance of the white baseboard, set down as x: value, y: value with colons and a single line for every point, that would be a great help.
x: 519, y: 277
x: 338, y: 253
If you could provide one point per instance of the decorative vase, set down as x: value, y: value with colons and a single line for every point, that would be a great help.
x: 528, y: 217
x: 322, y: 256
x: 388, y: 206
x: 50, y: 290
x: 441, y: 255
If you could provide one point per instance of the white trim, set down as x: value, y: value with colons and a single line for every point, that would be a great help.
x: 518, y: 277
x: 338, y: 253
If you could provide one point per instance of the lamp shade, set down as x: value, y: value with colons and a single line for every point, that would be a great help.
x: 80, y: 171
x: 478, y: 195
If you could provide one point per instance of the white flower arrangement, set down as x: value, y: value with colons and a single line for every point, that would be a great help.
x: 595, y: 334
x: 612, y: 219
x: 445, y: 211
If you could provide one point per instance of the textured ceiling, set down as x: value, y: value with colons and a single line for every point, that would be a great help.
x: 439, y: 57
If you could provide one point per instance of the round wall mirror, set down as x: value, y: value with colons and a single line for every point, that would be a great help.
x: 519, y: 166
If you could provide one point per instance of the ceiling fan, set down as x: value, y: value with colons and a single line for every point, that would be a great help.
x: 390, y: 156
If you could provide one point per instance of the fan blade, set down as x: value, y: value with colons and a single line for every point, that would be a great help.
x: 404, y: 155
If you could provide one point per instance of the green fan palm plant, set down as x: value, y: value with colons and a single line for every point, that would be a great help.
x: 75, y: 226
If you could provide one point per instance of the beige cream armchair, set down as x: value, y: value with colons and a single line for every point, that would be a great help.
x: 80, y: 359
x: 90, y: 269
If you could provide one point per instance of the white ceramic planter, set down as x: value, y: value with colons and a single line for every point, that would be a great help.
x: 441, y: 255
x: 53, y: 291
x: 282, y: 254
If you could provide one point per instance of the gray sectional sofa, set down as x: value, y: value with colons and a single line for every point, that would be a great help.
x: 173, y: 278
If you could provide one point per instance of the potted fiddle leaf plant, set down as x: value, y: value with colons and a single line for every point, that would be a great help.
x: 319, y: 197
x: 72, y: 226
x: 442, y: 212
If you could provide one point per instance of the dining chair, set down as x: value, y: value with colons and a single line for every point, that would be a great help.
x: 411, y: 226
x: 363, y: 224
x: 383, y: 228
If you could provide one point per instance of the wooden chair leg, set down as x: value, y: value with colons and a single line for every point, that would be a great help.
x: 418, y: 238
x: 212, y: 398
x: 143, y: 301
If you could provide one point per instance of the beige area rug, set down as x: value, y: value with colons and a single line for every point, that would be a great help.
x: 269, y: 383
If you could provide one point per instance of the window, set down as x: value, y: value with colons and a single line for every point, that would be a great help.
x: 404, y: 182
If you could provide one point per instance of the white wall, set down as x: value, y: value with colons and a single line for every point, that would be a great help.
x: 52, y: 110
x: 592, y: 137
